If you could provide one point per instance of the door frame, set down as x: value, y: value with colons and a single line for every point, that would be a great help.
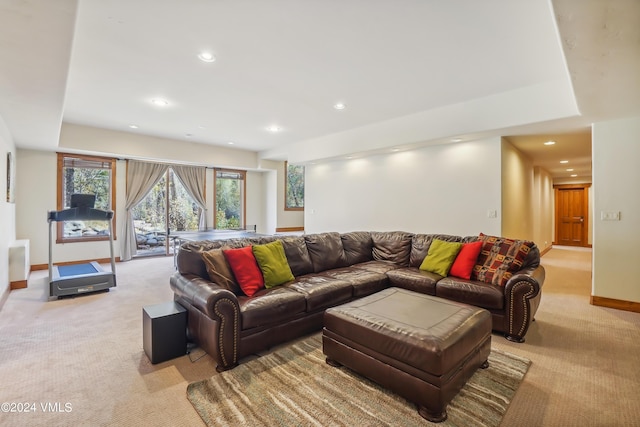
x: 585, y: 230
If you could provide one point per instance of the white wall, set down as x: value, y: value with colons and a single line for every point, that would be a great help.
x: 517, y: 193
x: 616, y: 179
x: 437, y: 189
x: 7, y: 210
x: 77, y: 138
x: 255, y: 209
x: 270, y: 190
x: 542, y: 209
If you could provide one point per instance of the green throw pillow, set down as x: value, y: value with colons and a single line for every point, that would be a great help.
x: 440, y: 257
x: 273, y: 263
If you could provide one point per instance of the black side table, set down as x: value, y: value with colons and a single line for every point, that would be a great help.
x: 164, y: 331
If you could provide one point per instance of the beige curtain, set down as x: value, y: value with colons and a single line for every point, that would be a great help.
x: 193, y: 179
x: 141, y: 177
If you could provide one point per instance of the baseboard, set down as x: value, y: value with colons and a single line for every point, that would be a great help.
x: 35, y: 267
x: 18, y: 284
x: 544, y: 251
x: 288, y: 229
x: 616, y: 303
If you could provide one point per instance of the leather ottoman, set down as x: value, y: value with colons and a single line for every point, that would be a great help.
x: 421, y: 347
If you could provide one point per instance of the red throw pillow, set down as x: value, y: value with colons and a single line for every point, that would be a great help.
x: 466, y: 259
x: 245, y: 269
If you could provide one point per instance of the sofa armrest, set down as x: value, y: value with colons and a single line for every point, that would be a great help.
x: 216, y: 312
x: 522, y: 297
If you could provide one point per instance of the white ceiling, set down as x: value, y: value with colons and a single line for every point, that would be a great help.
x: 410, y: 72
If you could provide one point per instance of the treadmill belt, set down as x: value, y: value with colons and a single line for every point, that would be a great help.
x: 76, y: 270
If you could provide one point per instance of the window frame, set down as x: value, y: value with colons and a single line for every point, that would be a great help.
x: 286, y: 189
x: 243, y: 196
x: 59, y: 198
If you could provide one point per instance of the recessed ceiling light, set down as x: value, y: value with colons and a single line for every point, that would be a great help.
x: 339, y: 106
x: 160, y: 102
x: 573, y: 175
x: 395, y: 149
x: 132, y: 126
x: 549, y: 143
x: 456, y: 140
x: 564, y: 161
x: 570, y: 170
x: 206, y: 57
x: 274, y: 128
x: 230, y: 142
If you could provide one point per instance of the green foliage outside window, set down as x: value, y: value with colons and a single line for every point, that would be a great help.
x: 150, y: 213
x: 229, y: 209
x: 86, y: 175
x: 294, y: 190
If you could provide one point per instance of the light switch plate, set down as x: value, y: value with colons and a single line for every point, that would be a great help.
x: 610, y: 216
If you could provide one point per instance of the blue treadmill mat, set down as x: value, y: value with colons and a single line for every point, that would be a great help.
x: 76, y: 269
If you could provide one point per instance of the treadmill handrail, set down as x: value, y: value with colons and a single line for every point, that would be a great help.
x: 80, y: 214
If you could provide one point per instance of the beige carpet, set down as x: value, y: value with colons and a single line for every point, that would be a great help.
x: 87, y: 351
x: 293, y: 386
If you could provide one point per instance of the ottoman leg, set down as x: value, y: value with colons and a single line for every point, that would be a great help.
x: 484, y: 365
x: 333, y: 363
x: 434, y: 417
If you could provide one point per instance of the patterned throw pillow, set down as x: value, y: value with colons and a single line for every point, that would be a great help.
x: 499, y: 259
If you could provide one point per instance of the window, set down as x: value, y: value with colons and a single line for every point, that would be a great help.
x: 85, y: 175
x: 229, y: 199
x: 293, y: 187
x: 151, y: 221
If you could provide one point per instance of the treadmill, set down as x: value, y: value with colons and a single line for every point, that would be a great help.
x: 83, y: 278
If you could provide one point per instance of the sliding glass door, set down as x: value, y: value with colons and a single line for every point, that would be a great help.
x: 166, y: 209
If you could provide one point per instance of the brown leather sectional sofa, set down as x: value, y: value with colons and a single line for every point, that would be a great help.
x: 331, y: 269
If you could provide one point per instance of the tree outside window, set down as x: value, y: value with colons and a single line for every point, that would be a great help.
x: 294, y: 187
x: 85, y: 175
x: 229, y: 199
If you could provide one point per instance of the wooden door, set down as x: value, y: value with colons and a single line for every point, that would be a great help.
x: 572, y: 204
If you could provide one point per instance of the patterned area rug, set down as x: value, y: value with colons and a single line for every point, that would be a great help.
x: 293, y: 386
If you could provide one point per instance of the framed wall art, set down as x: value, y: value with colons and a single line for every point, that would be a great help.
x: 11, y: 178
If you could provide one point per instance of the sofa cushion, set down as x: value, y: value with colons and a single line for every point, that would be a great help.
x: 466, y: 260
x: 295, y: 248
x: 357, y: 247
x: 322, y: 291
x: 392, y: 246
x: 326, y: 251
x: 499, y: 259
x: 377, y: 266
x: 219, y: 270
x: 245, y: 269
x: 476, y: 293
x: 363, y: 282
x: 270, y: 307
x: 273, y: 263
x: 440, y: 257
x: 414, y: 279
